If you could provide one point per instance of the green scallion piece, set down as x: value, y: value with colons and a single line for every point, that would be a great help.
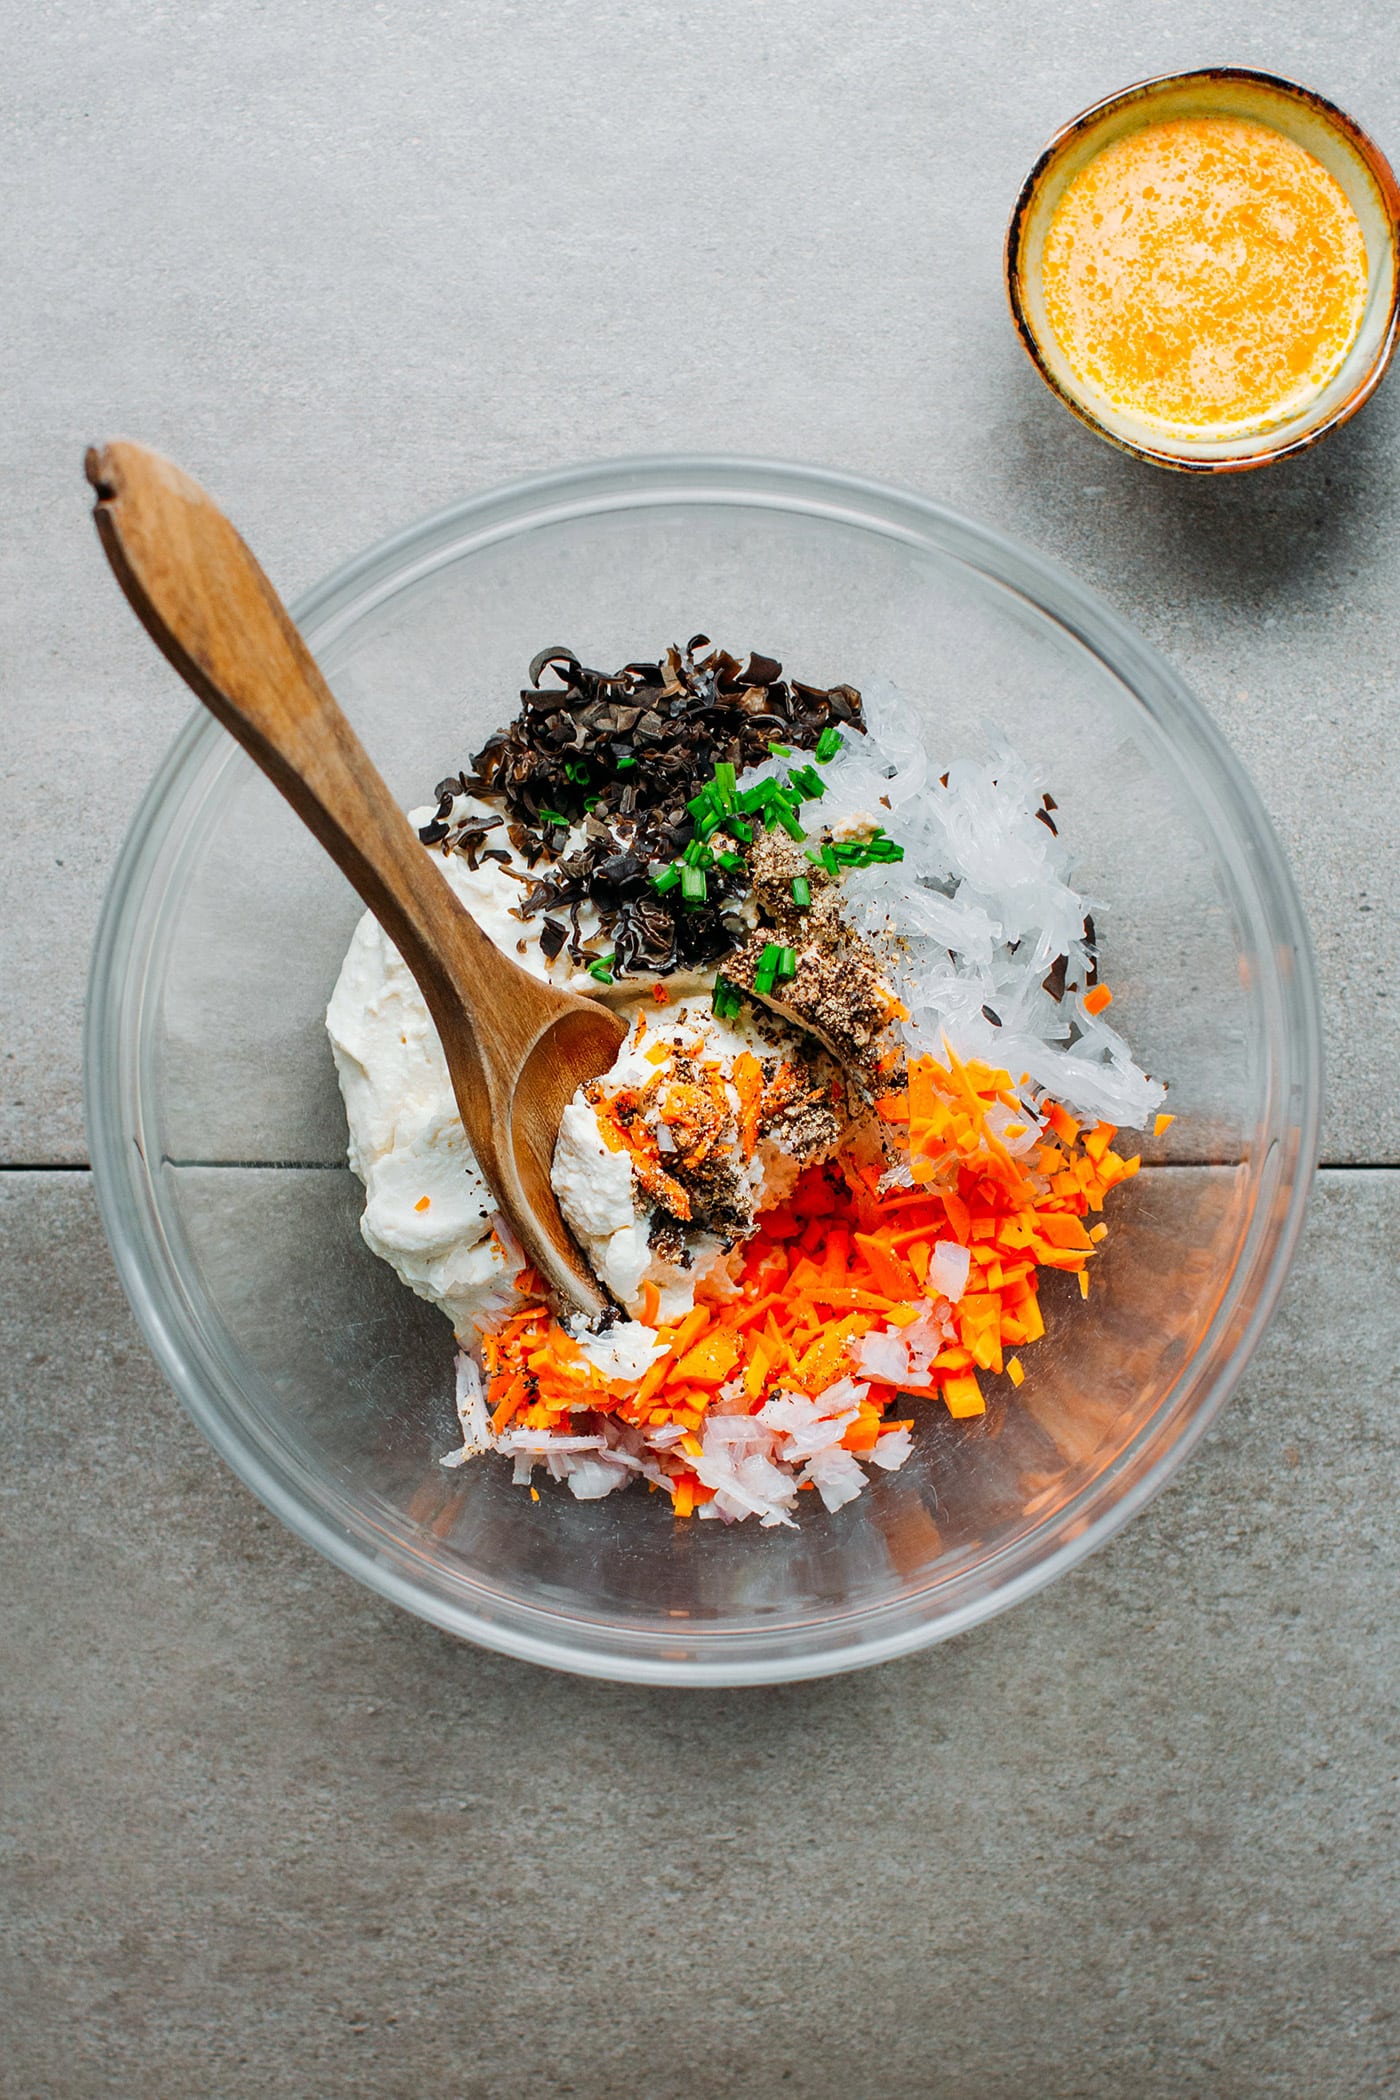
x: 623, y: 763
x: 787, y: 963
x: 787, y: 817
x: 552, y: 816
x: 693, y: 886
x: 700, y: 805
x: 725, y: 783
x: 602, y: 969
x: 738, y: 829
x: 576, y: 769
x: 731, y: 861
x: 828, y: 744
x: 829, y: 860
x: 769, y: 960
x: 781, y: 750
x: 763, y: 982
x: 709, y: 824
x: 812, y: 782
x: 726, y: 1000
x: 801, y: 892
x: 665, y: 879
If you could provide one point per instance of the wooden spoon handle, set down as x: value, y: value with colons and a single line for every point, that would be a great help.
x: 208, y: 606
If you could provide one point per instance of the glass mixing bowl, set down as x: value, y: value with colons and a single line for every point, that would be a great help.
x: 218, y: 1140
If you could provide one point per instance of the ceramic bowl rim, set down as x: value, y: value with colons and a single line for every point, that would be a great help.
x: 1287, y: 446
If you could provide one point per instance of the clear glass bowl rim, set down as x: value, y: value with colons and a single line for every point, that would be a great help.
x: 128, y: 1197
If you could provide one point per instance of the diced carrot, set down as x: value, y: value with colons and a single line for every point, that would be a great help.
x: 1162, y: 1123
x: 710, y: 1361
x: 891, y: 1275
x: 963, y: 1395
x: 1015, y: 1370
x: 1098, y: 999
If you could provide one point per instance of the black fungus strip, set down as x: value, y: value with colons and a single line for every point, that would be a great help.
x: 620, y: 754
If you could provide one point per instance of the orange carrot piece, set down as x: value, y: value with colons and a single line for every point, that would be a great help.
x: 1098, y: 999
x: 963, y: 1396
x: 892, y: 1275
x: 710, y: 1361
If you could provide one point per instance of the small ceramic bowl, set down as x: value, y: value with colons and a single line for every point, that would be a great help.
x: 1344, y: 149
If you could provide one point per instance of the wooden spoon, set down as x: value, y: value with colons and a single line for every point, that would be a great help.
x: 517, y: 1049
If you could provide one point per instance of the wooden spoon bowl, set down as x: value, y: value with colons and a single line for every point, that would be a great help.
x: 517, y: 1050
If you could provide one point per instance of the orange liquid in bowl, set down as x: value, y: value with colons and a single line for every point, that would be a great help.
x: 1206, y: 274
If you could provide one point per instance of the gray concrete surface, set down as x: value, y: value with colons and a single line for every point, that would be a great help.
x: 269, y: 1838
x: 350, y: 261
x: 262, y: 1835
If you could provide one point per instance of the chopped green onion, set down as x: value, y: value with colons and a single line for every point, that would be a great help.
x: 709, y: 824
x: 787, y: 963
x: 801, y: 892
x: 738, y: 829
x: 731, y: 861
x: 552, y: 816
x: 781, y: 750
x: 726, y: 1001
x: 623, y: 763
x: 828, y: 744
x: 697, y: 855
x: 725, y: 783
x: 576, y: 770
x: 602, y: 969
x: 787, y: 817
x: 763, y: 982
x: 700, y: 805
x: 693, y: 886
x: 829, y: 860
x: 769, y: 960
x: 665, y: 879
x: 811, y: 779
